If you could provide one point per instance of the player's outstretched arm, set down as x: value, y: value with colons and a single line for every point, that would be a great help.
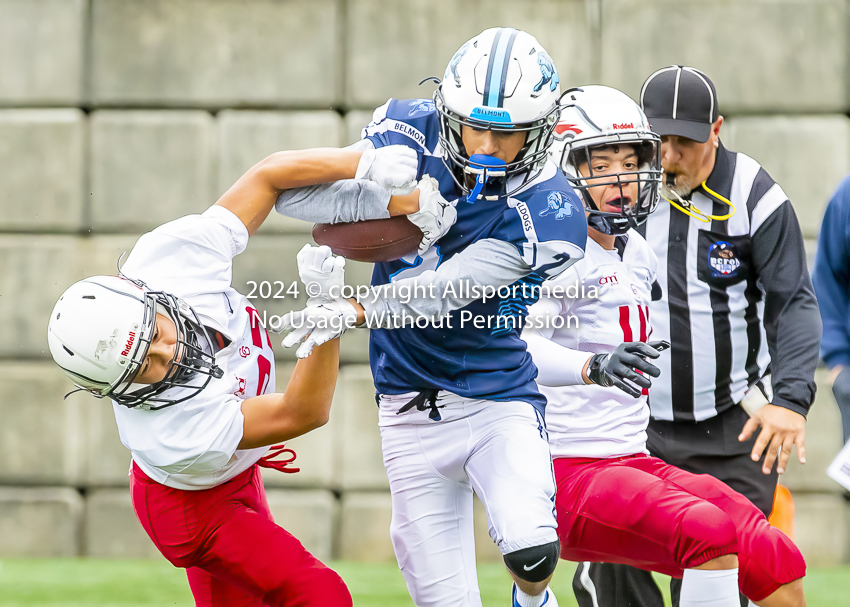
x: 305, y: 405
x: 485, y: 264
x: 254, y: 194
x: 307, y: 401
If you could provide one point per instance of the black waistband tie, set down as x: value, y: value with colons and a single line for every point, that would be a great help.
x: 419, y: 401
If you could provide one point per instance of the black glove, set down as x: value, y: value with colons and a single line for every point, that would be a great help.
x: 620, y: 367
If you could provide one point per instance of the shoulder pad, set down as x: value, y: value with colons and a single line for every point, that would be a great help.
x: 548, y: 229
x: 411, y: 122
x: 555, y: 214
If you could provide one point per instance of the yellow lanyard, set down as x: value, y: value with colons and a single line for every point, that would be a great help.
x: 688, y: 208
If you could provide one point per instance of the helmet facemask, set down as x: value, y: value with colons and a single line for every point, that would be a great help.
x: 192, y: 366
x: 529, y: 160
x: 647, y: 177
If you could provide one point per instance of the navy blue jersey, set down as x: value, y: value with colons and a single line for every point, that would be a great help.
x: 476, y: 352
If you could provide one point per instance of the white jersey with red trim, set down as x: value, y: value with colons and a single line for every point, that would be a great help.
x: 593, y: 307
x: 192, y: 445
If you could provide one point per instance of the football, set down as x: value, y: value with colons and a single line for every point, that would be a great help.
x: 371, y: 241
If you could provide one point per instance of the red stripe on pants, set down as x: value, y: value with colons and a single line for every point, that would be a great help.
x: 234, y: 553
x: 640, y: 511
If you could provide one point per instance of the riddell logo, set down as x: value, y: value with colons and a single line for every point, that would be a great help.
x: 130, y: 340
x: 623, y: 125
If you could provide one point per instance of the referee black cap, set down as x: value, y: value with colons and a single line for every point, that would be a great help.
x: 680, y: 100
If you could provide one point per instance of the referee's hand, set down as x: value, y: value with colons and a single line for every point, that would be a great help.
x: 781, y: 428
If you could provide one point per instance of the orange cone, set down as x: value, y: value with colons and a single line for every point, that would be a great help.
x: 782, y: 516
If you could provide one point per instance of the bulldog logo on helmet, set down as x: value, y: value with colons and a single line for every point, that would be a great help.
x: 106, y: 346
x: 548, y: 73
x: 454, y: 63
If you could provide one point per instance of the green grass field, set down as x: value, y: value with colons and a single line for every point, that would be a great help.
x: 137, y: 583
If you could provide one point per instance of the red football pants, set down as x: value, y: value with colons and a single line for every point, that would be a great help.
x: 640, y: 511
x: 233, y: 552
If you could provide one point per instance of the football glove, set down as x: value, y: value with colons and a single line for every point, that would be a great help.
x: 323, y: 274
x: 317, y: 324
x: 393, y: 167
x: 620, y: 367
x: 435, y: 216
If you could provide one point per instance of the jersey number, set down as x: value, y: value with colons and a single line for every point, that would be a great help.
x: 265, y: 366
x: 626, y: 326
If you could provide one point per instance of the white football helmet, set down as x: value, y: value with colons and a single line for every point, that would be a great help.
x: 502, y: 79
x: 594, y: 116
x: 100, y: 331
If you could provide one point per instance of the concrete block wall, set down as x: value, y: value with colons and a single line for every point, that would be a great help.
x: 40, y: 521
x: 118, y: 115
x: 215, y: 54
x: 156, y: 160
x: 764, y: 56
x: 42, y: 52
x: 43, y: 153
x: 566, y: 29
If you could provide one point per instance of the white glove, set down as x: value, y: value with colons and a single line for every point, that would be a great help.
x: 435, y: 216
x: 320, y: 272
x: 393, y: 167
x: 317, y: 325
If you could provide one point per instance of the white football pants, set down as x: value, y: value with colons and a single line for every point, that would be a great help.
x: 497, y: 449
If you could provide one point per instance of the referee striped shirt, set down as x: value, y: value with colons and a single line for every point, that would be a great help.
x: 736, y: 297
